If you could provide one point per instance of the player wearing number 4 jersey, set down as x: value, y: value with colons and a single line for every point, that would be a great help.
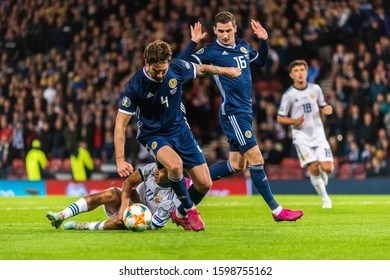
x: 235, y: 112
x: 300, y: 108
x: 154, y: 95
x: 147, y: 185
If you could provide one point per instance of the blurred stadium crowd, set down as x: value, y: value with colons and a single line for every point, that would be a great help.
x: 64, y: 63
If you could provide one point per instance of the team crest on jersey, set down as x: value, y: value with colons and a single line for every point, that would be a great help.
x: 248, y: 134
x: 126, y: 102
x: 154, y: 145
x: 200, y: 51
x: 147, y: 173
x: 243, y: 50
x: 172, y: 83
x: 157, y: 198
x: 312, y: 95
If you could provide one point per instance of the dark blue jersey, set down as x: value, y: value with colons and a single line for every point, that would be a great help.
x: 158, y: 104
x: 236, y: 93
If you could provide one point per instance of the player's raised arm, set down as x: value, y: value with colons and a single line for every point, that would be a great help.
x: 196, y: 36
x: 123, y: 168
x: 206, y: 70
x: 259, y: 30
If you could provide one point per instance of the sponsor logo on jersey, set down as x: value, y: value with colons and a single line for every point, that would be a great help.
x: 149, y: 95
x: 154, y: 145
x: 173, y: 91
x: 200, y: 51
x: 126, y: 102
x: 172, y: 83
x: 225, y: 53
x: 243, y: 50
x: 248, y: 134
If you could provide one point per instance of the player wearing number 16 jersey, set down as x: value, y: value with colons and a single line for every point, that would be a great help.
x: 235, y: 112
x: 300, y: 108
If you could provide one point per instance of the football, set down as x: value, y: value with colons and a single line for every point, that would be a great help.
x: 137, y: 217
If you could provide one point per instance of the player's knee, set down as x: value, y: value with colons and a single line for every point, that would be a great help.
x: 204, y: 187
x: 314, y: 168
x: 111, y: 195
x: 175, y: 168
x: 327, y: 168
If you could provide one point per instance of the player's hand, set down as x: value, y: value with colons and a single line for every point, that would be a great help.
x: 233, y: 72
x: 259, y: 30
x: 299, y: 121
x: 327, y: 110
x: 196, y: 32
x: 124, y: 168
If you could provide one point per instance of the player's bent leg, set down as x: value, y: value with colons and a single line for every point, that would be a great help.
x: 201, y: 179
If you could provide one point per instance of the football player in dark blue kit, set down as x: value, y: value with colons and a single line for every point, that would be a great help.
x: 235, y: 112
x: 154, y: 95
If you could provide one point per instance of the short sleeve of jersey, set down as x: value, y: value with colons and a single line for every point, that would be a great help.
x: 284, y: 106
x: 186, y: 70
x: 320, y: 96
x: 202, y: 56
x: 127, y: 104
x: 147, y: 170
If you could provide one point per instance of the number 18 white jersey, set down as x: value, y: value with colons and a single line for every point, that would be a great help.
x: 306, y: 102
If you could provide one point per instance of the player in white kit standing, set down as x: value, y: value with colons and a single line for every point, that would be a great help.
x: 301, y: 107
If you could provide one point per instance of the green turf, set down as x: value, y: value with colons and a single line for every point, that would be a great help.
x: 237, y: 228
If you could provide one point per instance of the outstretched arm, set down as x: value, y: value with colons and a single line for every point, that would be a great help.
x: 203, y: 70
x: 123, y: 168
x: 127, y: 187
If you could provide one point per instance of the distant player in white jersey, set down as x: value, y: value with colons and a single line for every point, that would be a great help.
x: 147, y: 185
x: 300, y: 108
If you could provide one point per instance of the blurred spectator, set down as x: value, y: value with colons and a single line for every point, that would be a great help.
x: 36, y: 162
x: 376, y: 169
x: 6, y: 156
x: 81, y: 162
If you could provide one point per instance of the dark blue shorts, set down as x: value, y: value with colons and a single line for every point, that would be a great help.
x: 183, y: 143
x: 239, y: 131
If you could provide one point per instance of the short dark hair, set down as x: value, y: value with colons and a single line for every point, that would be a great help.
x: 224, y: 17
x: 157, y: 51
x: 297, y: 62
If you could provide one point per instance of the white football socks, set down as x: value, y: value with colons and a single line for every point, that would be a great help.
x: 319, y: 186
x: 77, y: 207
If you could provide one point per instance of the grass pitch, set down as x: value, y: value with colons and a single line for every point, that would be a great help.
x: 237, y: 228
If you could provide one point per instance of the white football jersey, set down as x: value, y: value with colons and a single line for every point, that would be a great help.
x: 306, y: 102
x: 160, y: 199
